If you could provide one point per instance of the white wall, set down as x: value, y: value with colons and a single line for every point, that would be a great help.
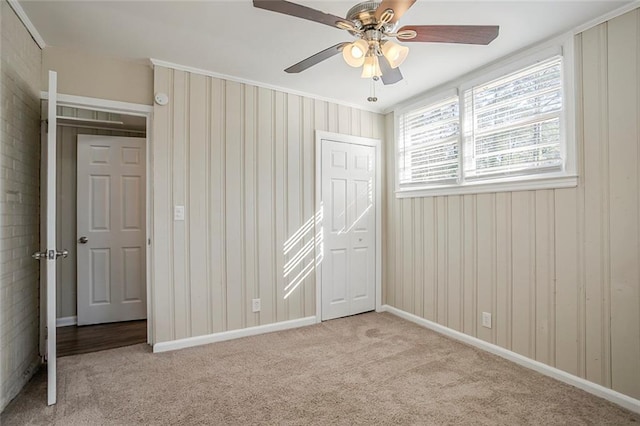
x: 86, y: 74
x: 19, y: 204
x: 558, y: 269
x: 241, y: 159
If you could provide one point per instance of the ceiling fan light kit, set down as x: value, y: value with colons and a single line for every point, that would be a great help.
x: 395, y: 53
x: 373, y: 23
x: 371, y: 67
x: 354, y: 53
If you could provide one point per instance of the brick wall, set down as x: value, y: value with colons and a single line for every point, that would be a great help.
x: 19, y: 204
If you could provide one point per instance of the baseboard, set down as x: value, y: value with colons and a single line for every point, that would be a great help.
x: 66, y: 321
x: 232, y: 334
x: 625, y: 401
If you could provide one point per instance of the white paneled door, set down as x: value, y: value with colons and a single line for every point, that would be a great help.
x: 349, y: 228
x: 111, y: 229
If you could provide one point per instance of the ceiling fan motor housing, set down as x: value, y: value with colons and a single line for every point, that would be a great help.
x: 363, y: 15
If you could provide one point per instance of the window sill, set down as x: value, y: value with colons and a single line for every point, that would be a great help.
x: 555, y: 182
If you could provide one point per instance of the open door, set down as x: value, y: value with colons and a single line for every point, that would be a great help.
x: 49, y: 254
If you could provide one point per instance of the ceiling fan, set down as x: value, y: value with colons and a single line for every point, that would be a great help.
x: 373, y: 23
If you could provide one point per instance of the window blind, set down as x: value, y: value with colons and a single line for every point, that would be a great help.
x: 428, y: 144
x: 512, y: 123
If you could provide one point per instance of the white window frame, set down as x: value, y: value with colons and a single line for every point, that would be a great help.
x: 565, y: 178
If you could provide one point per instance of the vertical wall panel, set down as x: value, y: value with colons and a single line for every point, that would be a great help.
x: 469, y: 300
x: 294, y: 260
x: 523, y: 261
x: 624, y: 137
x: 266, y: 249
x: 417, y: 255
x: 344, y: 119
x: 217, y: 235
x: 388, y: 239
x: 162, y: 213
x: 486, y: 262
x: 387, y: 209
x: 197, y: 213
x: 320, y: 111
x: 596, y: 180
x: 332, y: 117
x: 356, y: 115
x: 398, y: 264
x: 502, y: 321
x: 454, y: 263
x: 567, y: 345
x: 545, y: 289
x: 179, y: 170
x: 308, y: 203
x: 369, y: 125
x: 249, y: 214
x: 234, y: 146
x: 280, y: 218
x: 441, y: 253
x: 407, y: 258
x: 430, y: 293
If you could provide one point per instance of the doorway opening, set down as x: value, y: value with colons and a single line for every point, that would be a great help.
x: 102, y: 220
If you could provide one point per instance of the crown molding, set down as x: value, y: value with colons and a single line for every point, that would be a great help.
x: 15, y: 5
x: 186, y: 68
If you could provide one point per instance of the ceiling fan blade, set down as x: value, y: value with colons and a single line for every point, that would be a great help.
x: 315, y: 59
x: 300, y: 11
x: 389, y: 75
x: 465, y: 34
x: 399, y: 7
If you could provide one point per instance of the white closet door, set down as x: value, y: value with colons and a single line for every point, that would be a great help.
x: 348, y: 198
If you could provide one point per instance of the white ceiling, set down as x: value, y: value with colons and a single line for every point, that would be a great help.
x: 234, y: 38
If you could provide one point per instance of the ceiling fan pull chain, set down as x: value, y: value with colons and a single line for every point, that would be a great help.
x: 373, y: 97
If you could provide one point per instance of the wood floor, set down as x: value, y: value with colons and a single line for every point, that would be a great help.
x: 75, y: 340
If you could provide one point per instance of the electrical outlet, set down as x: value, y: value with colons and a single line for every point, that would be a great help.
x: 255, y: 305
x: 486, y: 319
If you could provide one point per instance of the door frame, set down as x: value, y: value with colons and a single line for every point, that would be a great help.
x: 354, y: 140
x: 140, y: 110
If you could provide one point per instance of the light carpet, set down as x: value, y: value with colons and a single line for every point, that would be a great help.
x: 366, y: 369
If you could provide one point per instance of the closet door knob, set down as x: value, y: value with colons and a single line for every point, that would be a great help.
x: 83, y: 240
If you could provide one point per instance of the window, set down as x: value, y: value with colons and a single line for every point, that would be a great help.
x: 506, y: 131
x: 428, y: 144
x: 514, y: 123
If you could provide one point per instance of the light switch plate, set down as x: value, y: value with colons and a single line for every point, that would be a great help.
x: 178, y: 213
